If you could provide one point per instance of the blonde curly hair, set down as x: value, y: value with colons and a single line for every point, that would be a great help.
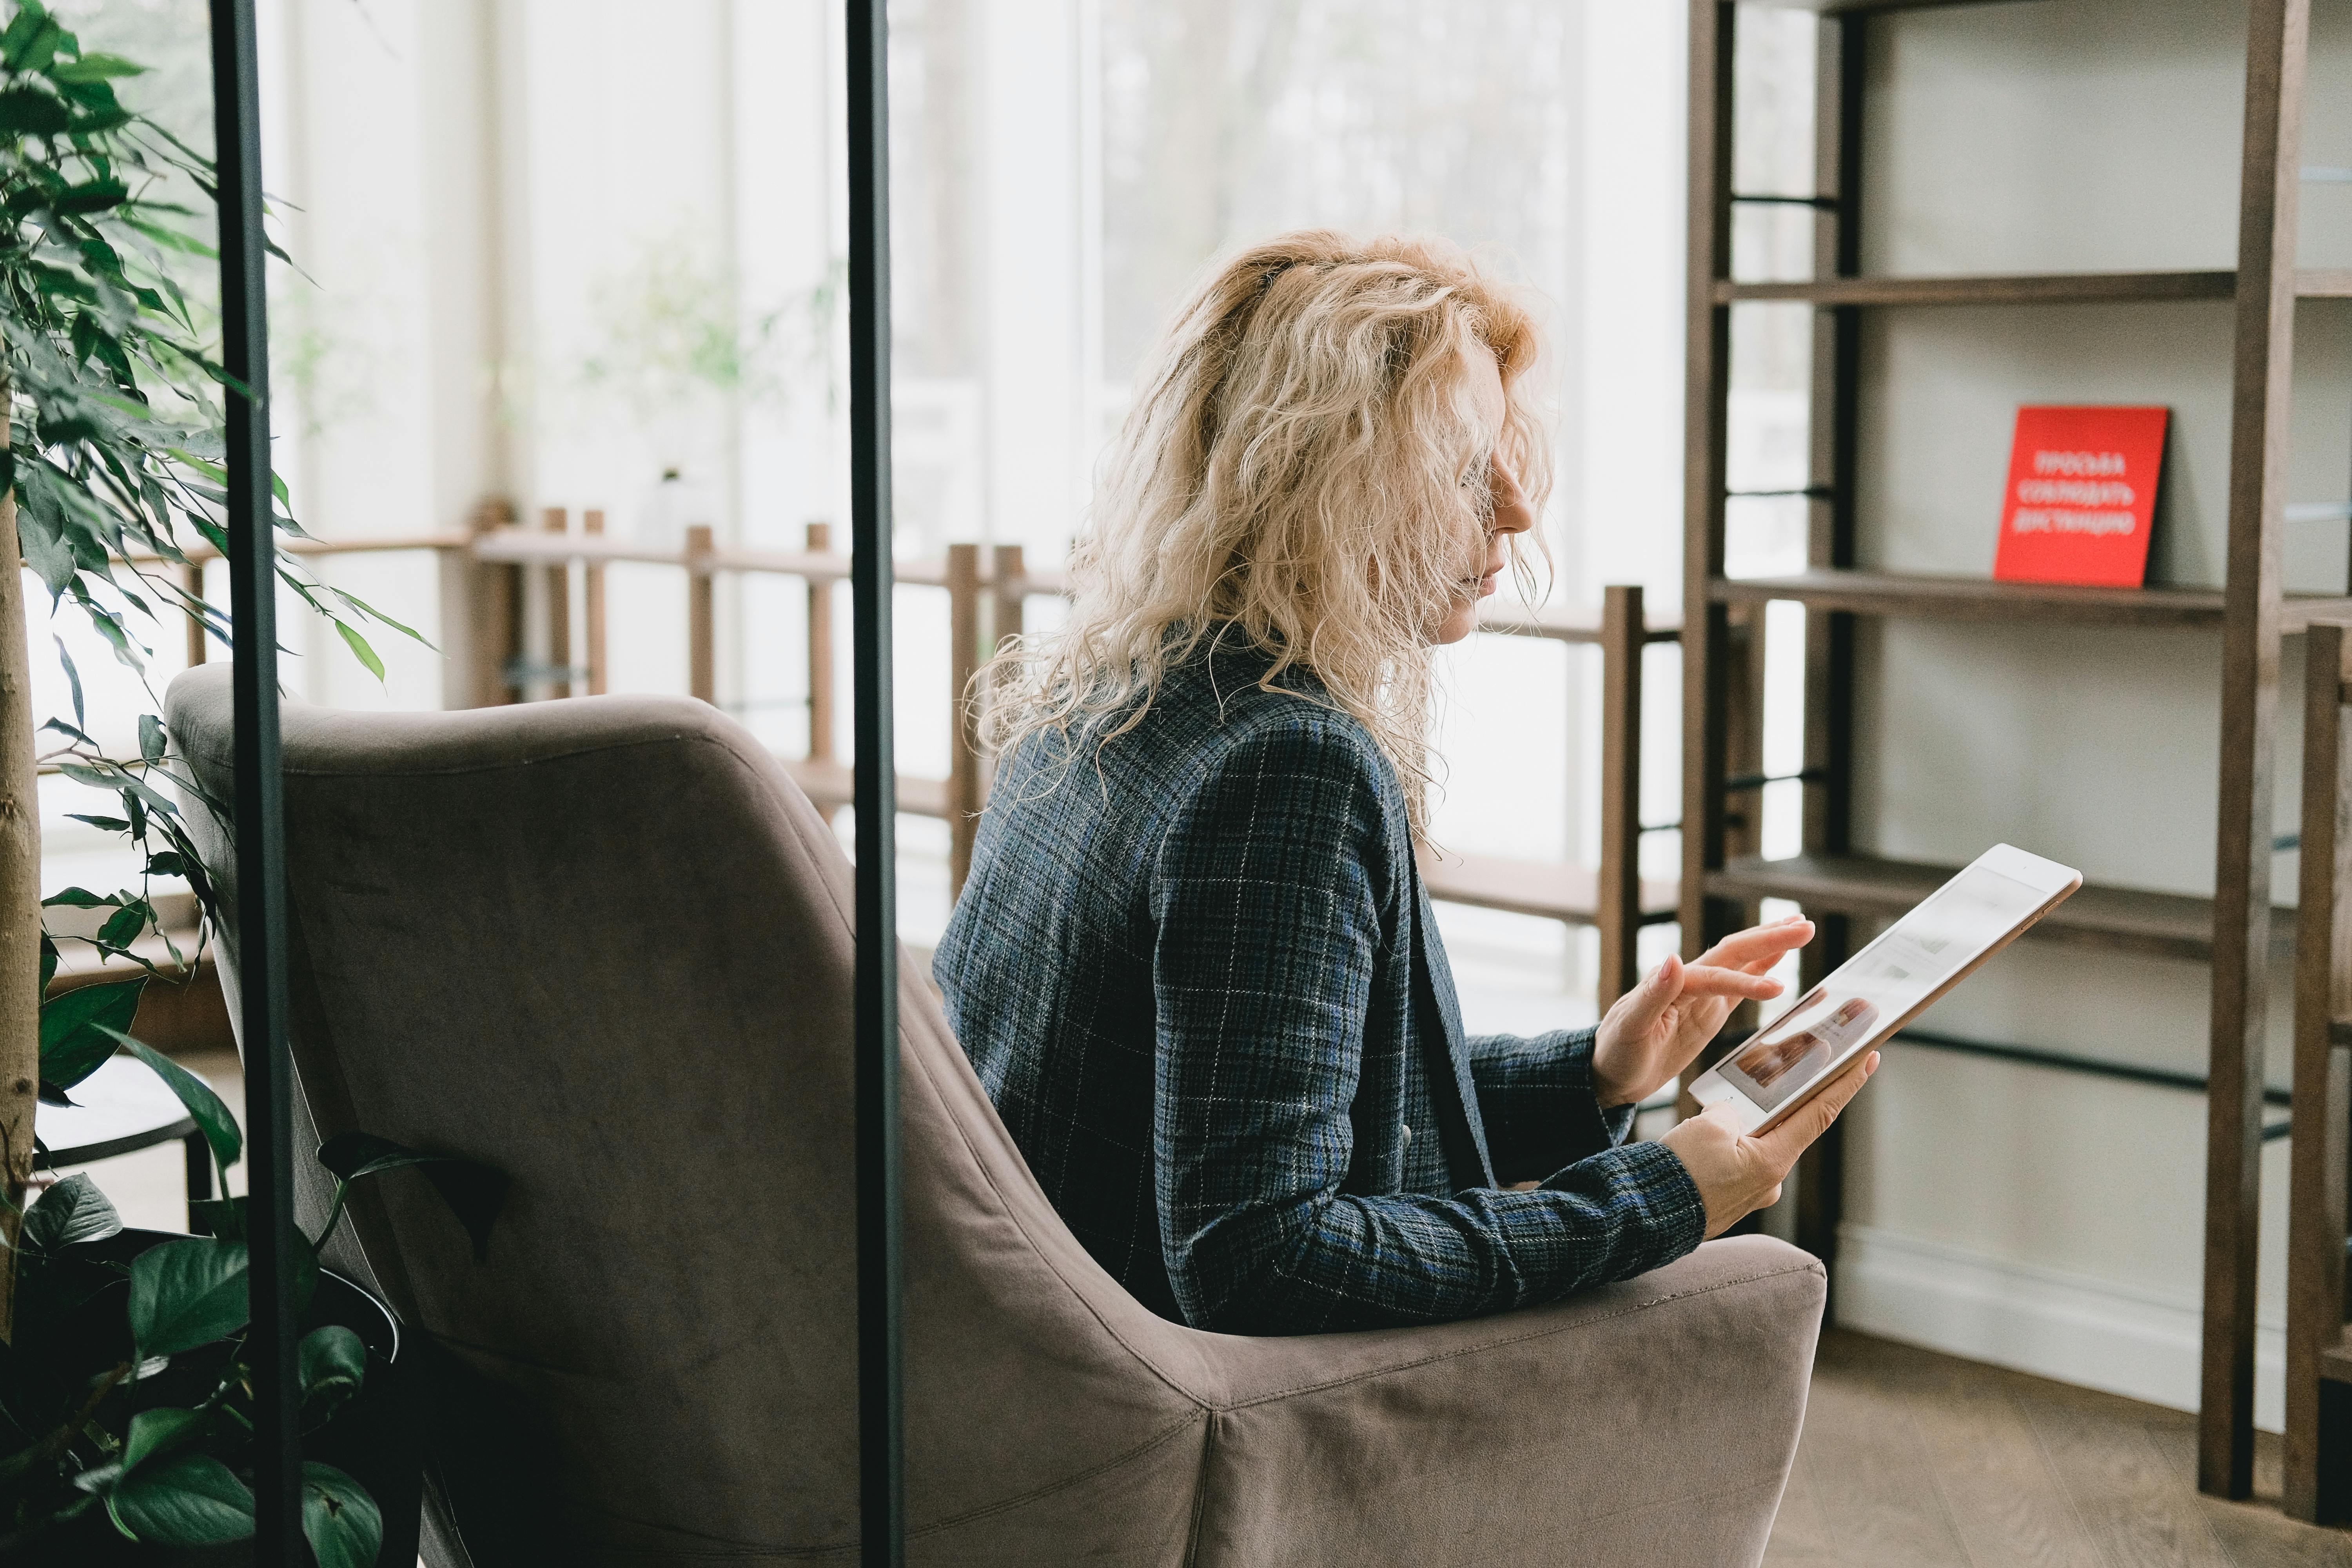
x: 1303, y: 472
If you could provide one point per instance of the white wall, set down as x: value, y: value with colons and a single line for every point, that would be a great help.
x: 2053, y: 1220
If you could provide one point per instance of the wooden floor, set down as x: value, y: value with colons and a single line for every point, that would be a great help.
x: 1921, y: 1460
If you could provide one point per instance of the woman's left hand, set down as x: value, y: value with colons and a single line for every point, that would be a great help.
x: 1656, y: 1029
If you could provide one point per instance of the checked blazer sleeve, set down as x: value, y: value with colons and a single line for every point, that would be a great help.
x: 1271, y: 893
x: 1535, y: 1098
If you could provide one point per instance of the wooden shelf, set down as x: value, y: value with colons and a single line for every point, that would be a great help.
x: 1849, y: 7
x: 2120, y: 920
x: 1923, y: 596
x: 1556, y: 892
x: 2025, y: 289
x: 2041, y: 289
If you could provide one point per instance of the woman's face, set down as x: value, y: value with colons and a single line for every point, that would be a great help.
x: 1508, y: 514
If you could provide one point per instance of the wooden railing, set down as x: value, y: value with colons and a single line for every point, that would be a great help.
x: 987, y: 593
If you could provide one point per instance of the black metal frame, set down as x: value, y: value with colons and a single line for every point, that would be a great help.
x: 881, y: 1436
x: 260, y: 804
x: 260, y: 817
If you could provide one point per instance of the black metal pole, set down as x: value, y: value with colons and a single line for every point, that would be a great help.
x: 261, y: 824
x: 881, y: 1434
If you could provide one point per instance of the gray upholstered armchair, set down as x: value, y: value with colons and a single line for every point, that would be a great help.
x: 605, y: 946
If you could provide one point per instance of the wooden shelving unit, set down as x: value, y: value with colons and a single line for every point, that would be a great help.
x: 2233, y: 930
x: 2118, y: 920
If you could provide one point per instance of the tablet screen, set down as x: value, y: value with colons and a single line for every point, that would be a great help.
x: 1874, y: 990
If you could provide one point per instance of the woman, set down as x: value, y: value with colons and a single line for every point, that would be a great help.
x: 1194, y: 962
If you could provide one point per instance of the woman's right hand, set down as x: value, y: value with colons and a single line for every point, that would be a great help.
x: 1737, y: 1174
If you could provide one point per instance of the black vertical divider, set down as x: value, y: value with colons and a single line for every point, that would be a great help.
x: 260, y: 828
x: 881, y: 1438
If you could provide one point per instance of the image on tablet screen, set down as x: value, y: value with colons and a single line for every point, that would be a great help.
x: 1881, y: 984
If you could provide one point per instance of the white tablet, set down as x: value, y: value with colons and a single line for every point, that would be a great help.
x: 1888, y: 983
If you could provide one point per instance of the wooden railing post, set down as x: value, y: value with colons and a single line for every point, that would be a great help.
x: 1618, y: 904
x: 820, y: 651
x: 702, y: 619
x: 192, y: 582
x: 555, y: 519
x: 592, y: 523
x: 1009, y: 575
x: 2318, y: 1446
x: 963, y: 754
x: 498, y: 613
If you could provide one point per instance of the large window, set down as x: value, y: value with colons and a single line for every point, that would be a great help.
x: 550, y: 256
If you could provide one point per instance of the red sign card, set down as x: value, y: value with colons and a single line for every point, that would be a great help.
x: 2081, y: 497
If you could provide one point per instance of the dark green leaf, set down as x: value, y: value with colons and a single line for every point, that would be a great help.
x: 29, y: 112
x: 79, y: 1029
x: 48, y: 963
x: 188, y: 1293
x: 351, y: 1155
x: 158, y: 1431
x: 122, y: 928
x: 212, y: 1117
x: 335, y: 1365
x: 71, y: 1211
x: 338, y: 1518
x: 190, y: 1499
x: 77, y: 899
x: 95, y: 67
x: 473, y: 1191
x: 32, y: 39
x: 151, y: 738
x: 103, y: 823
x: 223, y: 1218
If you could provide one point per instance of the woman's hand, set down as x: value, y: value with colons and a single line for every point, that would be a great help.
x: 1737, y: 1174
x: 1658, y: 1027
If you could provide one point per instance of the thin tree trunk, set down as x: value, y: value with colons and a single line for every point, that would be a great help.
x: 20, y: 908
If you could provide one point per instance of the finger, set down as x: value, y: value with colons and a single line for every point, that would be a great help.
x: 1765, y: 944
x: 1780, y: 1147
x: 1712, y: 980
x: 1638, y: 1010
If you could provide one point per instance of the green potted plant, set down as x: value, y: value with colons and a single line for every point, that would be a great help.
x: 124, y: 1391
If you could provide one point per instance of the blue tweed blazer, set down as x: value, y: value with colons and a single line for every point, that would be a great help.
x: 1196, y: 971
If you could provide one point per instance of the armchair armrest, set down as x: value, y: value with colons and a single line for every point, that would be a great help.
x: 1650, y: 1421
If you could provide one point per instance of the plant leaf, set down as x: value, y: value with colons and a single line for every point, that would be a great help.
x: 79, y: 1028
x: 359, y: 647
x: 211, y: 1115
x: 223, y: 1218
x: 188, y: 1293
x: 158, y: 1431
x: 95, y: 67
x: 151, y: 736
x: 338, y: 1518
x: 473, y: 1191
x: 190, y: 1499
x: 73, y: 681
x: 71, y: 1211
x: 335, y: 1365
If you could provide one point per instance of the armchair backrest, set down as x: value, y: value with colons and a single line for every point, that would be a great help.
x: 605, y: 945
